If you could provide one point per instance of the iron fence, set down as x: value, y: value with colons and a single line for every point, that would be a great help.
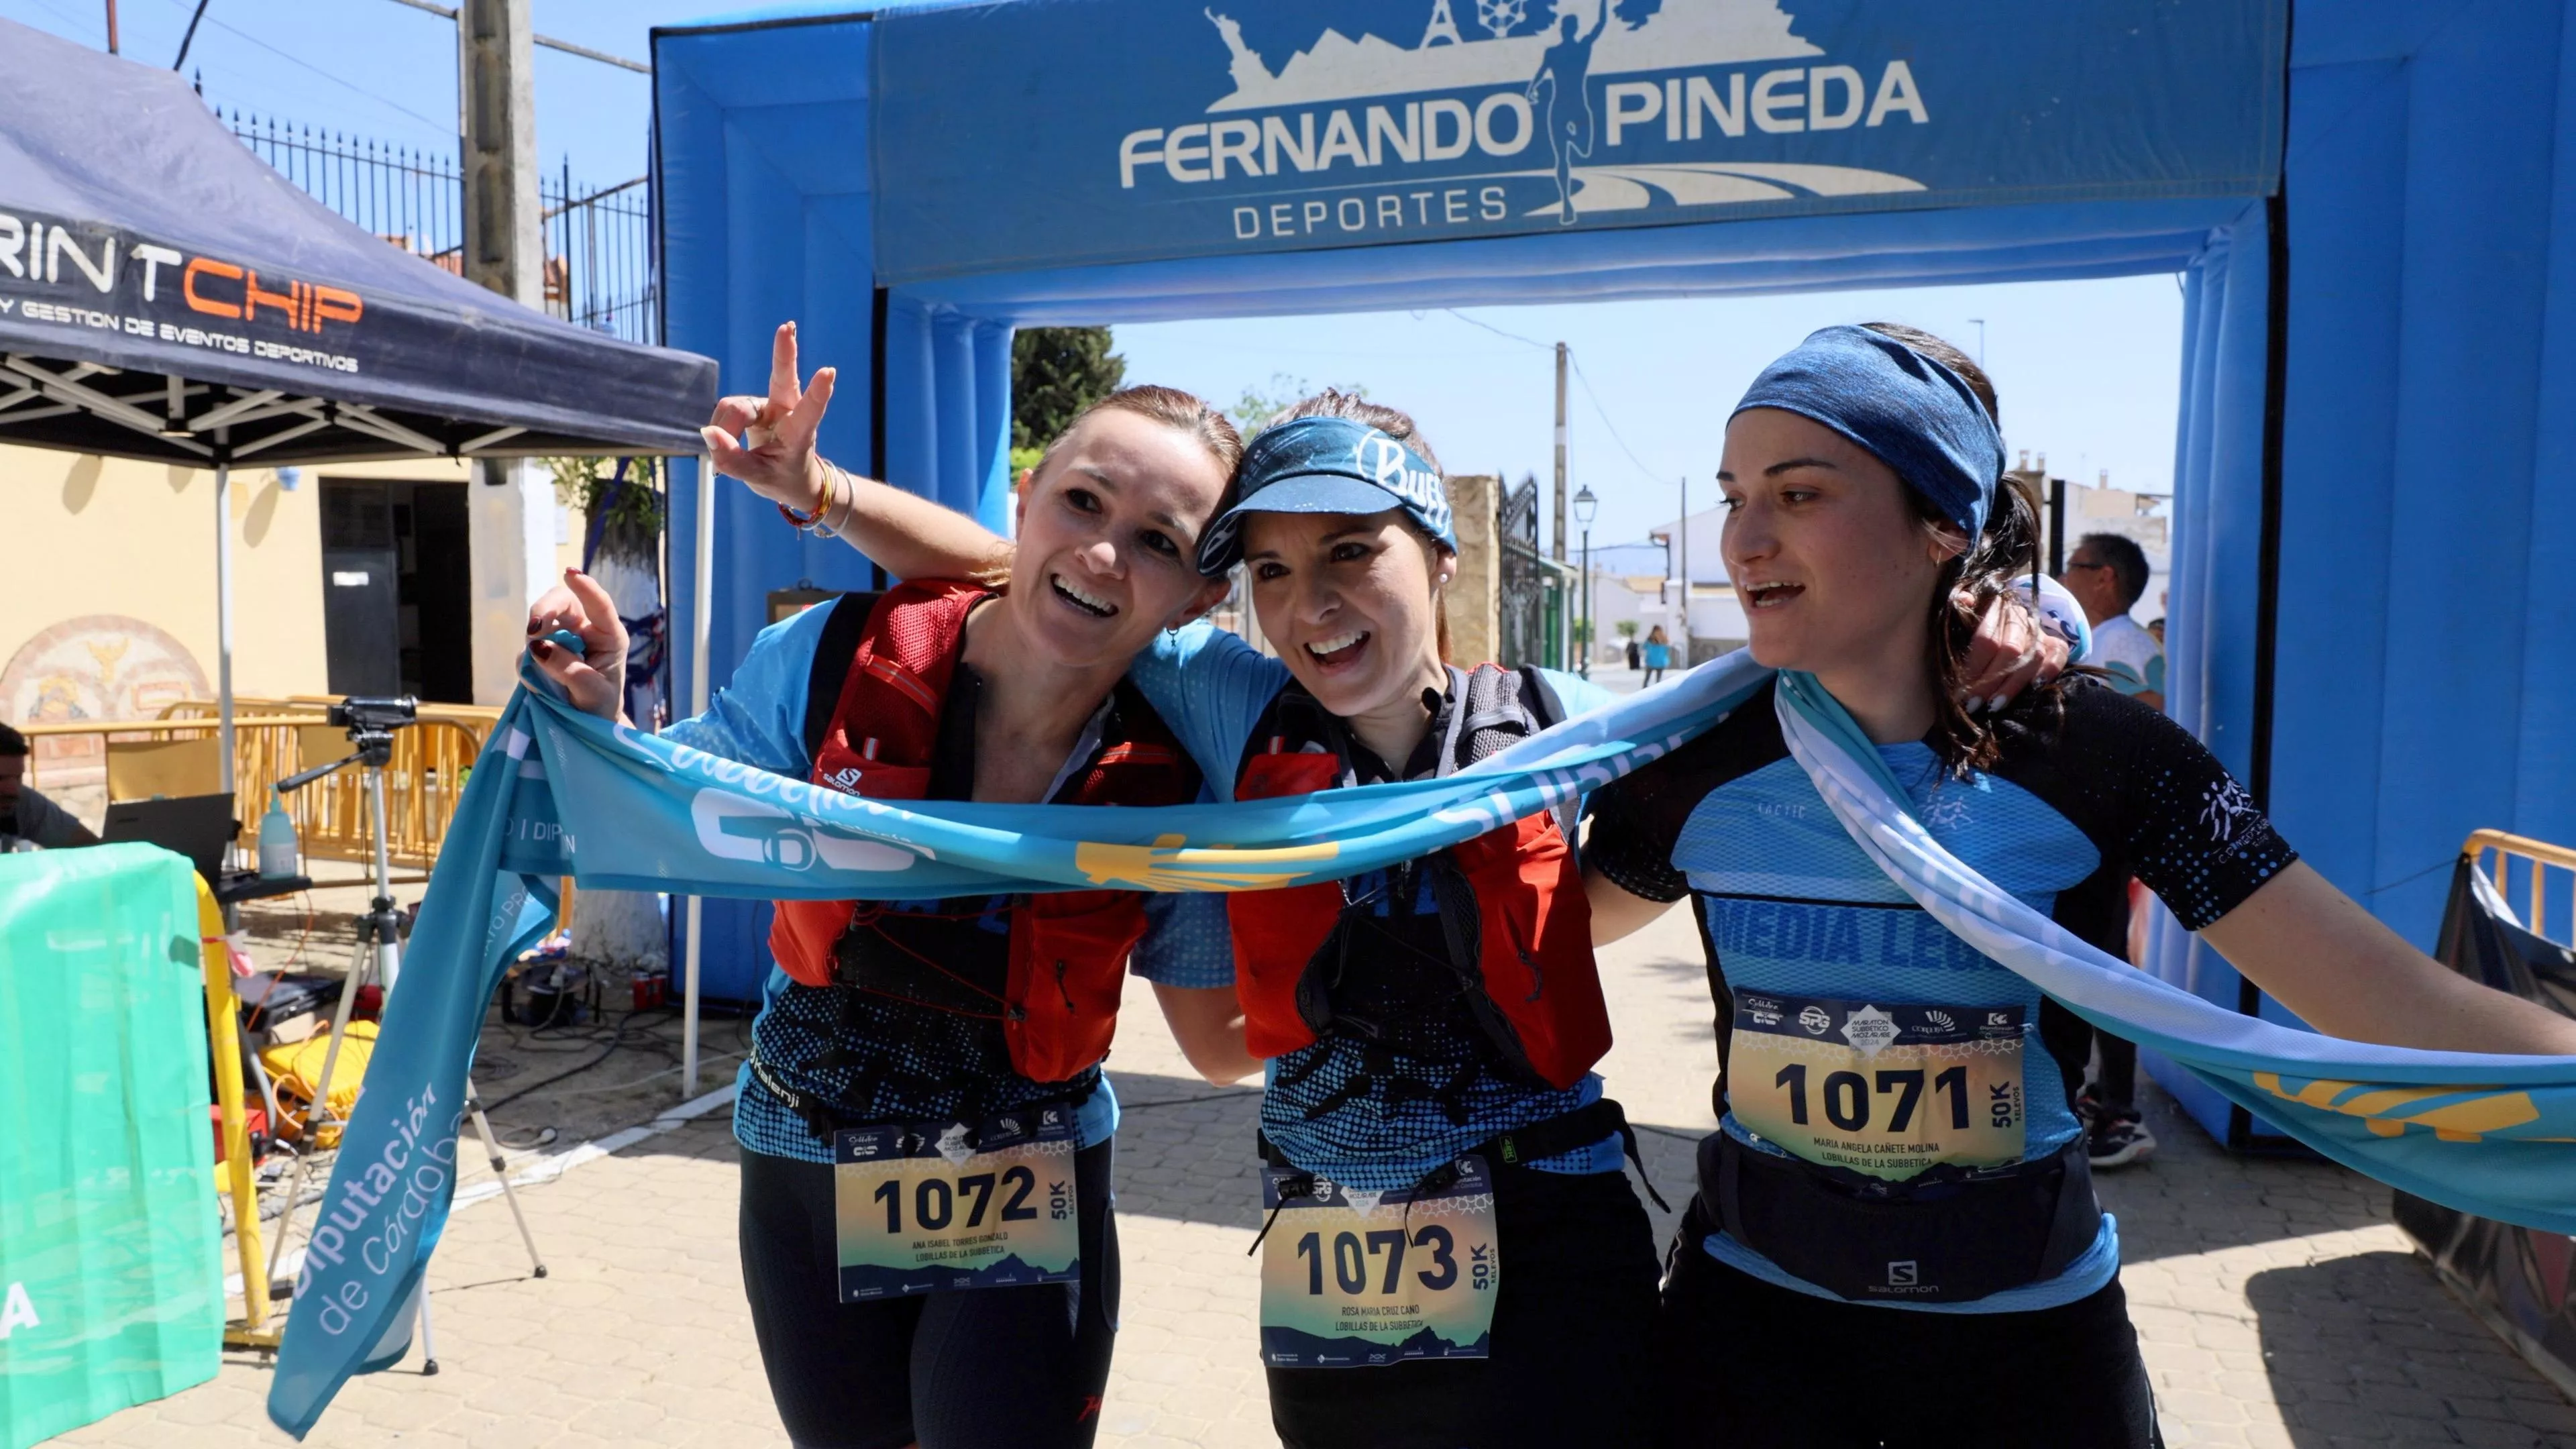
x: 1526, y: 610
x: 599, y: 258
x: 599, y: 265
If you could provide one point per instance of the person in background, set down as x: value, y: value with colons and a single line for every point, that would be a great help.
x: 2108, y: 575
x: 27, y: 818
x: 1634, y: 656
x: 1659, y: 654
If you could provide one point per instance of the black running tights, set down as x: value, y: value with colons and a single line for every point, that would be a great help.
x: 983, y: 1368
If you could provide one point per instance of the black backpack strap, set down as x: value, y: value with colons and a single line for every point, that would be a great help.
x: 832, y: 656
x: 1567, y: 1132
x: 1540, y: 696
x: 1543, y: 708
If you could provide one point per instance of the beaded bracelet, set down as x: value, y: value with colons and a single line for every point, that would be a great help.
x: 814, y: 522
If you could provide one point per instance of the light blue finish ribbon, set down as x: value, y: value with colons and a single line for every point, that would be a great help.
x: 558, y: 793
x: 2490, y: 1135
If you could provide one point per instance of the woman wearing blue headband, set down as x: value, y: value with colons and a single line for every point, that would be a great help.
x: 1899, y: 1185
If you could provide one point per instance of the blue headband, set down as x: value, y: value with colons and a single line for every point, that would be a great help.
x: 1327, y: 465
x: 1913, y: 414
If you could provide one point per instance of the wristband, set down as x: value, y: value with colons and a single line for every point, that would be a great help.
x: 812, y: 522
x: 839, y: 493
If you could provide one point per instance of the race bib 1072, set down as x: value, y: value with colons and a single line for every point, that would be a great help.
x: 920, y: 1211
x: 1886, y: 1091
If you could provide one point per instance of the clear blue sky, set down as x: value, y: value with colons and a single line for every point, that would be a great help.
x: 2087, y: 370
x: 388, y: 72
x: 2087, y: 373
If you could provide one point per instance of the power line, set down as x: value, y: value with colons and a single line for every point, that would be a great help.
x: 548, y: 41
x: 1607, y: 425
x: 1497, y: 331
x: 1597, y: 409
x: 445, y: 128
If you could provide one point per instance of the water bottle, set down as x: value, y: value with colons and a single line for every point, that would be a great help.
x: 278, y: 848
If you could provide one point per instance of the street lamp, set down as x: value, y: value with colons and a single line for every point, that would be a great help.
x: 1584, y: 507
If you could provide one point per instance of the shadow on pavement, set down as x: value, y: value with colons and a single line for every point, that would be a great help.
x: 2370, y: 1347
x: 2193, y: 1196
x: 1185, y: 1150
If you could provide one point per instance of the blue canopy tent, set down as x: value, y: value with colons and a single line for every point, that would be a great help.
x: 2379, y: 310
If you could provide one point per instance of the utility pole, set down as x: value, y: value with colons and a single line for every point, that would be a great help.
x: 1681, y: 640
x: 111, y: 27
x: 1559, y: 553
x: 511, y: 509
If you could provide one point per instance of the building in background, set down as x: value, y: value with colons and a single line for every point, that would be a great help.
x: 1642, y: 582
x: 2138, y: 516
x: 349, y: 579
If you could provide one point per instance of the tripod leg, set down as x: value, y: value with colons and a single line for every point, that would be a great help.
x: 492, y: 1149
x: 361, y: 966
x: 259, y: 1075
x: 428, y: 1344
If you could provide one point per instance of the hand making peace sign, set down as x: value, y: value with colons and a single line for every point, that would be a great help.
x: 776, y: 456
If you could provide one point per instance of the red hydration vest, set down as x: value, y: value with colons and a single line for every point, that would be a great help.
x: 1058, y: 1003
x: 1532, y: 928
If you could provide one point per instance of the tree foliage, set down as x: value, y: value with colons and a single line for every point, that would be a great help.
x: 634, y: 511
x: 1253, y: 411
x: 1056, y: 372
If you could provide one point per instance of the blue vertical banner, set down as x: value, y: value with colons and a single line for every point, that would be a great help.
x: 1085, y: 131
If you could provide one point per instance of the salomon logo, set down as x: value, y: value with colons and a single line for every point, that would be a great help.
x: 1900, y: 1274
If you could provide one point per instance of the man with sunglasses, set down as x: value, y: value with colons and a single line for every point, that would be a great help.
x: 2107, y: 574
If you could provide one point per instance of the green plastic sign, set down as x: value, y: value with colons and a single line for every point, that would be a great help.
x: 111, y: 1284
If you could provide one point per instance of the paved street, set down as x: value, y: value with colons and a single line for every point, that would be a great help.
x: 2278, y: 1305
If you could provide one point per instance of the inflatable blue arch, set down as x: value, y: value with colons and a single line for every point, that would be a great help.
x: 2375, y: 567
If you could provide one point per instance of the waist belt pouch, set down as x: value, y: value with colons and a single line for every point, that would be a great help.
x: 1947, y: 1242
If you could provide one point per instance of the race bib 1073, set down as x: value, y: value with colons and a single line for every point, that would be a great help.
x: 1351, y: 1279
x: 1886, y: 1091
x: 920, y: 1211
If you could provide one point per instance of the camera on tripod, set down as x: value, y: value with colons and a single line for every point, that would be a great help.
x: 370, y: 721
x: 375, y: 714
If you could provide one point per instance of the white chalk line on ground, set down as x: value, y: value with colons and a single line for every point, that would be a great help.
x: 545, y: 1169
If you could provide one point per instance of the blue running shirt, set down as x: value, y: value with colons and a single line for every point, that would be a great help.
x: 2090, y: 788
x: 1371, y: 1124
x: 759, y: 719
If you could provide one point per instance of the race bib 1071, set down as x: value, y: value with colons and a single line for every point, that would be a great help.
x: 920, y: 1211
x: 1882, y: 1090
x: 1350, y: 1280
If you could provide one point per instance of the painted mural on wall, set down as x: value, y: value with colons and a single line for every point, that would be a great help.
x: 94, y: 667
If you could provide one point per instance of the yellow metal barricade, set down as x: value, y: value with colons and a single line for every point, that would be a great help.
x: 2545, y: 869
x: 236, y: 1174
x: 423, y: 780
